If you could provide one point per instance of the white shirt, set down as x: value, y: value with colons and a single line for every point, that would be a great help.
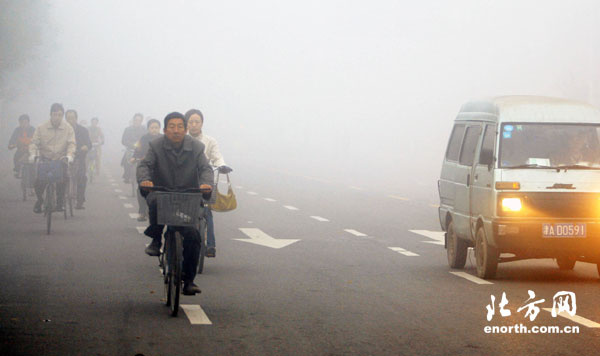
x: 211, y: 150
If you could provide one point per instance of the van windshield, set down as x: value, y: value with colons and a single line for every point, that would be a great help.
x: 533, y: 145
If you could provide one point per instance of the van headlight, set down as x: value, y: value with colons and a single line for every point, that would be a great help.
x: 511, y: 204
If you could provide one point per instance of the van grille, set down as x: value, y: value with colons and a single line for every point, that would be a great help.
x: 555, y: 205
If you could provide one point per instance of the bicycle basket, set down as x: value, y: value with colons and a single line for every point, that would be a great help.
x: 179, y: 209
x: 51, y: 171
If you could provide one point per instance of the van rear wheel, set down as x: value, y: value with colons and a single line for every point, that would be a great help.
x: 486, y: 256
x: 565, y: 263
x: 456, y: 248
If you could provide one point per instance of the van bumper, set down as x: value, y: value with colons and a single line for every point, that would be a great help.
x: 524, y: 237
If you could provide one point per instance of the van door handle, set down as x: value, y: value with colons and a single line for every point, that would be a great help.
x: 468, y: 179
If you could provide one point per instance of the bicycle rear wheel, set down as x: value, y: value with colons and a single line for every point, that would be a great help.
x: 49, y: 207
x: 24, y: 180
x: 202, y: 231
x: 175, y: 267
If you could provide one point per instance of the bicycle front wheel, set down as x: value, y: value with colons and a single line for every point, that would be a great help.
x: 175, y: 267
x: 203, y: 231
x: 49, y: 207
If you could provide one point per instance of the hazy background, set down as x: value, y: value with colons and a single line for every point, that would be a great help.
x: 360, y: 93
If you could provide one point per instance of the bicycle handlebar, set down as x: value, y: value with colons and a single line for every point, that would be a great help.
x: 171, y: 190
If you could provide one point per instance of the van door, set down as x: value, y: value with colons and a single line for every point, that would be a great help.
x: 463, y: 180
x: 482, y: 199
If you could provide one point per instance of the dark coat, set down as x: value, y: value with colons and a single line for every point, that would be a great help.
x: 131, y: 135
x: 165, y: 167
x: 82, y: 138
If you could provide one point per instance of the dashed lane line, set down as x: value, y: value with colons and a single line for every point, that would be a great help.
x: 140, y: 229
x: 289, y: 207
x: 252, y: 193
x: 397, y: 197
x: 436, y: 236
x: 355, y: 233
x: 319, y: 218
x: 239, y: 187
x: 195, y: 314
x: 270, y: 200
x: 470, y: 277
x: 576, y: 318
x: 434, y: 205
x: 134, y: 215
x: 128, y: 206
x: 122, y: 197
x: 118, y: 191
x: 403, y: 251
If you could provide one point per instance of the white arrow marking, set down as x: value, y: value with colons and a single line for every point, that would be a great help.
x: 318, y: 218
x: 270, y: 199
x: 471, y: 278
x: 196, y: 315
x: 258, y: 237
x: 289, y: 207
x: 134, y: 215
x: 141, y: 229
x: 355, y: 233
x: 403, y: 251
x: 576, y: 318
x: 437, y: 236
x: 128, y: 206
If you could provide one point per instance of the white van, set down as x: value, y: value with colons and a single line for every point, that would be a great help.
x: 521, y: 176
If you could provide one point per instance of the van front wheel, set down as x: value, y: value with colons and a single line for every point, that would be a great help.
x: 486, y: 256
x: 456, y: 248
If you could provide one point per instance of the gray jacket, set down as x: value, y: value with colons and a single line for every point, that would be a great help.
x: 165, y: 166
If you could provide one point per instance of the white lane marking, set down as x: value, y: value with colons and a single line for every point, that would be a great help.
x: 398, y: 197
x: 270, y: 199
x: 239, y: 187
x: 434, y: 205
x: 252, y: 193
x: 196, y: 315
x: 471, y: 278
x: 122, y: 197
x: 437, y: 236
x: 258, y: 237
x: 134, y: 215
x: 403, y: 251
x: 355, y: 187
x: 355, y: 233
x: 576, y: 318
x: 289, y: 207
x: 318, y: 218
x: 140, y: 229
x: 118, y: 191
x: 128, y: 206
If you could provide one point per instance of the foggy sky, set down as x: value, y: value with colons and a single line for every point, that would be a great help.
x: 359, y: 92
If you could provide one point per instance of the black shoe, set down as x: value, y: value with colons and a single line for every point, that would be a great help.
x: 191, y: 289
x: 211, y: 252
x: 153, y: 249
x: 37, y: 208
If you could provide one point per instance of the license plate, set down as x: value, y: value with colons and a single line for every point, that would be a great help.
x: 564, y: 230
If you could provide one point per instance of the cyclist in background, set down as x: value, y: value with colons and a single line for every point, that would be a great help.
x: 131, y: 136
x: 195, y: 123
x: 140, y: 151
x: 175, y: 161
x: 83, y: 142
x: 20, y: 139
x: 97, y: 137
x: 51, y: 141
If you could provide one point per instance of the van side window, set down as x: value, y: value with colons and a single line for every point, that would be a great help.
x: 486, y: 156
x: 467, y: 153
x: 454, y: 143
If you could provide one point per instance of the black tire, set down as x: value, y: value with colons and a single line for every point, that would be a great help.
x: 456, y: 248
x: 49, y: 207
x: 163, y: 264
x: 486, y: 256
x: 175, y: 264
x: 71, y: 192
x: 202, y: 231
x: 24, y: 180
x: 566, y: 263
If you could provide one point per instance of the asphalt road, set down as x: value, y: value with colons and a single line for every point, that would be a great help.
x: 358, y: 281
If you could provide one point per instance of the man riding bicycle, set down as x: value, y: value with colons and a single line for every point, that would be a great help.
x: 83, y: 142
x: 131, y: 136
x: 51, y: 141
x: 97, y: 137
x: 175, y: 161
x: 141, y: 147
